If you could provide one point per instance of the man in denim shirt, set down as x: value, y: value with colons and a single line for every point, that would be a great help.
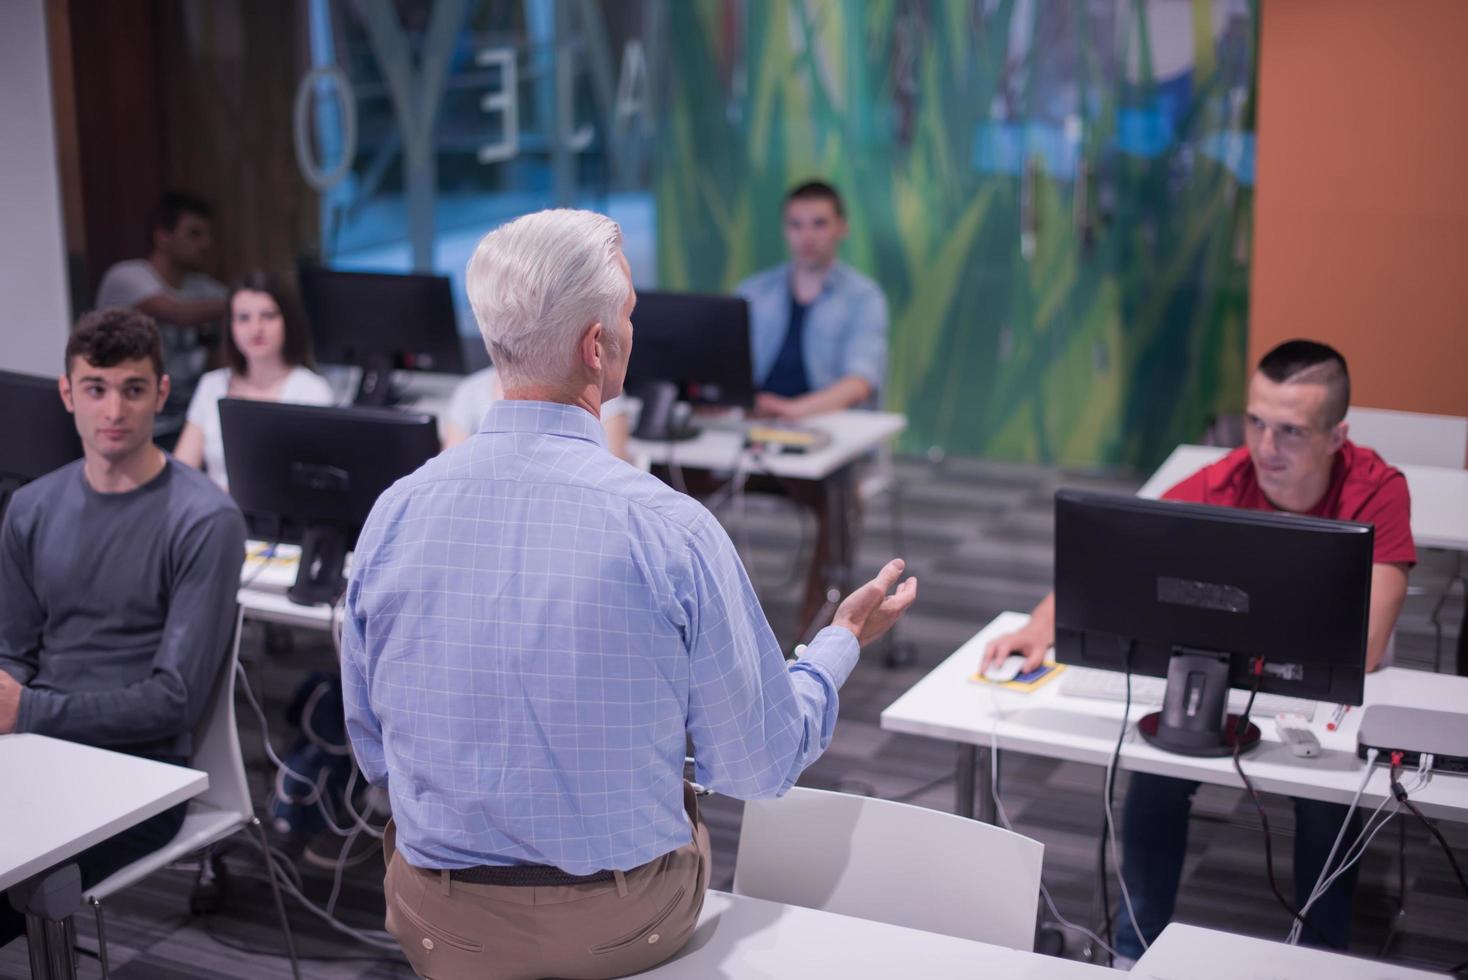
x: 818, y: 328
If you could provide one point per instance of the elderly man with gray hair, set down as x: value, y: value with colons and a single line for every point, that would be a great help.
x: 534, y: 632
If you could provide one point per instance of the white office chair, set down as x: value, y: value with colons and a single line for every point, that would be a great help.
x: 1415, y: 438
x: 213, y: 815
x: 891, y: 862
x: 1424, y: 440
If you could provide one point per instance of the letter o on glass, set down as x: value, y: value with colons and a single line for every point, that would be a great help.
x: 341, y: 87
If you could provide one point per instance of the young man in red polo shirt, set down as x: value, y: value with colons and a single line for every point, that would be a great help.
x: 1297, y: 459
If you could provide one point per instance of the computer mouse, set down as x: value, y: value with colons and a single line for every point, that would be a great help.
x: 1005, y: 670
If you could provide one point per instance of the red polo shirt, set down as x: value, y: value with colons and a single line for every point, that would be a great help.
x: 1363, y: 488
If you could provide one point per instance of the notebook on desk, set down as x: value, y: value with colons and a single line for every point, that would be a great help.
x: 270, y: 568
x: 787, y: 438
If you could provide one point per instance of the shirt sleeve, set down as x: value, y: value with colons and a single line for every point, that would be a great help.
x: 1390, y: 511
x: 21, y: 616
x: 128, y: 284
x: 311, y: 389
x: 363, y: 727
x: 1193, y: 490
x: 206, y: 396
x: 756, y: 722
x: 171, y: 699
x: 865, y: 353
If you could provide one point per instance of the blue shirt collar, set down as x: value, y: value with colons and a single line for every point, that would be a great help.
x: 544, y: 418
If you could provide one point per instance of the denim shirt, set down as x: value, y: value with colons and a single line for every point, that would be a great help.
x: 845, y: 326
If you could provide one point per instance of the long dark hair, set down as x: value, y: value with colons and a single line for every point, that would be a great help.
x: 296, y: 348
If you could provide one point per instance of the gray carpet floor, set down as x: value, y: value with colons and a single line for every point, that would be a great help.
x: 979, y: 535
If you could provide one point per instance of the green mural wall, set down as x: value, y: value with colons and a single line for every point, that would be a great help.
x: 1055, y: 196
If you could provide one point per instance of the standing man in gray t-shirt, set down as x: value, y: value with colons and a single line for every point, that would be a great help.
x: 170, y: 285
x: 118, y: 577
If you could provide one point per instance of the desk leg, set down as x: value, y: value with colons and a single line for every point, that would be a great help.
x: 963, y: 803
x: 48, y: 901
x: 988, y: 762
x: 51, y: 945
x: 973, y: 774
x: 833, y: 558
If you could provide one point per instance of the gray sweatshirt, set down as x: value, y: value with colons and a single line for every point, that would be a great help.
x: 116, y: 609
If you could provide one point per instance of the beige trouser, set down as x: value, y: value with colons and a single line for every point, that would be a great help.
x: 454, y: 929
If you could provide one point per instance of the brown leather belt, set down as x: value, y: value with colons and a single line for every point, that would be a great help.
x: 526, y: 875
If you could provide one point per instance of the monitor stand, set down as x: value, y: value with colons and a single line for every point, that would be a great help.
x: 659, y: 420
x: 375, y: 386
x: 1194, y: 719
x: 319, y: 577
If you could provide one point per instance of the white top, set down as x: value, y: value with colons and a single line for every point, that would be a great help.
x: 302, y: 387
x: 1186, y: 952
x: 129, y: 283
x: 741, y: 938
x: 473, y: 396
x: 1439, y: 494
x: 60, y: 798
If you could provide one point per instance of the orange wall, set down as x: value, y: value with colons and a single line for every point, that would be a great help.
x: 1361, y: 210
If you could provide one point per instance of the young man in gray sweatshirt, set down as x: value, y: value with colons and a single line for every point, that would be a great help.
x: 118, y: 577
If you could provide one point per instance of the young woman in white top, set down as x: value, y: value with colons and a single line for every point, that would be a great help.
x: 268, y: 354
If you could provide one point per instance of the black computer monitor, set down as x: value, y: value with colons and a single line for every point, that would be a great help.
x: 308, y: 474
x: 691, y: 347
x: 38, y: 434
x: 1203, y: 596
x: 382, y: 322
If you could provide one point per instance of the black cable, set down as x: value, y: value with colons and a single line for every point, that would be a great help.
x: 1401, y: 794
x: 1108, y: 796
x: 1240, y: 730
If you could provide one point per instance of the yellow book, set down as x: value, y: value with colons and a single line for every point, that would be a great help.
x: 1038, y: 677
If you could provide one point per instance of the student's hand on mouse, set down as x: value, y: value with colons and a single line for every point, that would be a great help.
x: 873, y: 608
x: 1024, y: 642
x: 768, y: 406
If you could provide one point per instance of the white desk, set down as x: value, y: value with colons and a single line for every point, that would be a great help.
x: 1186, y: 952
x: 853, y: 435
x: 60, y: 798
x: 752, y: 939
x: 946, y: 704
x: 1439, y: 495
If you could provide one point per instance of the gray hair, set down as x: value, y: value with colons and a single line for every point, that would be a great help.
x: 536, y: 284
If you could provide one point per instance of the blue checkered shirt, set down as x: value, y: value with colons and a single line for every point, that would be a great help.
x: 532, y: 629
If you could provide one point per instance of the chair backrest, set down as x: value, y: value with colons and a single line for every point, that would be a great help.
x: 891, y: 862
x: 217, y: 740
x: 1413, y: 438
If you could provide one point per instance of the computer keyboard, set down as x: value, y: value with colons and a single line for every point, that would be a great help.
x: 1107, y: 685
x: 723, y: 422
